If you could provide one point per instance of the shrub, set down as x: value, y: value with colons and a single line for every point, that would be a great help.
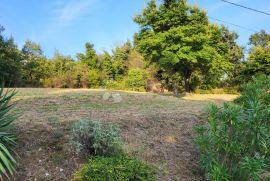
x: 7, y: 161
x: 235, y: 142
x: 96, y: 138
x: 136, y: 79
x: 120, y: 167
x: 81, y: 75
x: 93, y: 78
x: 65, y: 80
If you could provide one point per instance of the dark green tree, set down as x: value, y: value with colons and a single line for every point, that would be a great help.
x: 179, y: 38
x: 10, y: 60
x: 120, y: 60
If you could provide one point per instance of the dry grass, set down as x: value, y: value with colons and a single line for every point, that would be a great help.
x: 156, y: 128
x: 211, y: 97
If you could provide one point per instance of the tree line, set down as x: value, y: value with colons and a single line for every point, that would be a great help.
x: 176, y: 46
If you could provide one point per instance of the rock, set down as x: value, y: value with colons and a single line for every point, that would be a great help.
x: 117, y: 97
x: 61, y: 170
x: 106, y: 96
x: 47, y: 174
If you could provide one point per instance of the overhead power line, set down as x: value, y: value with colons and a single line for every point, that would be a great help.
x: 236, y: 25
x: 242, y: 6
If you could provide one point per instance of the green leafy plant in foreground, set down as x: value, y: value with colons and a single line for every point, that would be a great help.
x: 114, y: 168
x: 235, y: 142
x: 96, y: 138
x: 7, y: 161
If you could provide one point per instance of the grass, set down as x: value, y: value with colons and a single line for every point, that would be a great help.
x: 155, y: 128
x: 54, y: 120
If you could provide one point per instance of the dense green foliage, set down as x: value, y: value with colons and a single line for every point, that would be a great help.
x: 258, y: 60
x: 33, y: 63
x: 179, y: 38
x: 235, y: 142
x: 136, y: 79
x: 7, y: 161
x: 96, y: 138
x: 119, y: 167
x: 10, y: 62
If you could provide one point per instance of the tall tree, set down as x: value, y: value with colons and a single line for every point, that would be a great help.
x: 261, y: 38
x: 179, y: 38
x: 90, y: 57
x: 33, y: 64
x: 10, y: 59
x: 258, y: 61
x: 61, y: 63
x: 31, y: 49
x: 120, y: 60
x: 106, y: 68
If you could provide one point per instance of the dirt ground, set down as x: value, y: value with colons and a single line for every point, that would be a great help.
x: 155, y: 128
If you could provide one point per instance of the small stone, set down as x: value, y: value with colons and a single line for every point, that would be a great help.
x: 61, y: 170
x: 39, y: 161
x: 39, y: 149
x: 106, y: 96
x: 47, y: 174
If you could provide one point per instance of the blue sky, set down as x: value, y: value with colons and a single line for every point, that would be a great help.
x: 66, y: 25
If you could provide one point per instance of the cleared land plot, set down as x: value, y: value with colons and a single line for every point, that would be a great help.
x: 155, y: 128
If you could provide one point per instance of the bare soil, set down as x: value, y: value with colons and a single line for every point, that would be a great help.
x: 155, y: 128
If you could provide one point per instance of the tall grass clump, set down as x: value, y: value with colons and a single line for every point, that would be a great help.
x: 235, y: 142
x: 7, y: 140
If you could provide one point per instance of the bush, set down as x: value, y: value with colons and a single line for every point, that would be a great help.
x: 65, y: 80
x: 136, y: 79
x: 96, y: 138
x: 93, y: 78
x: 235, y: 142
x: 119, y: 167
x: 7, y: 162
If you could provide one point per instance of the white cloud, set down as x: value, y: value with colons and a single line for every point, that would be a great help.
x: 72, y: 10
x: 66, y: 13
